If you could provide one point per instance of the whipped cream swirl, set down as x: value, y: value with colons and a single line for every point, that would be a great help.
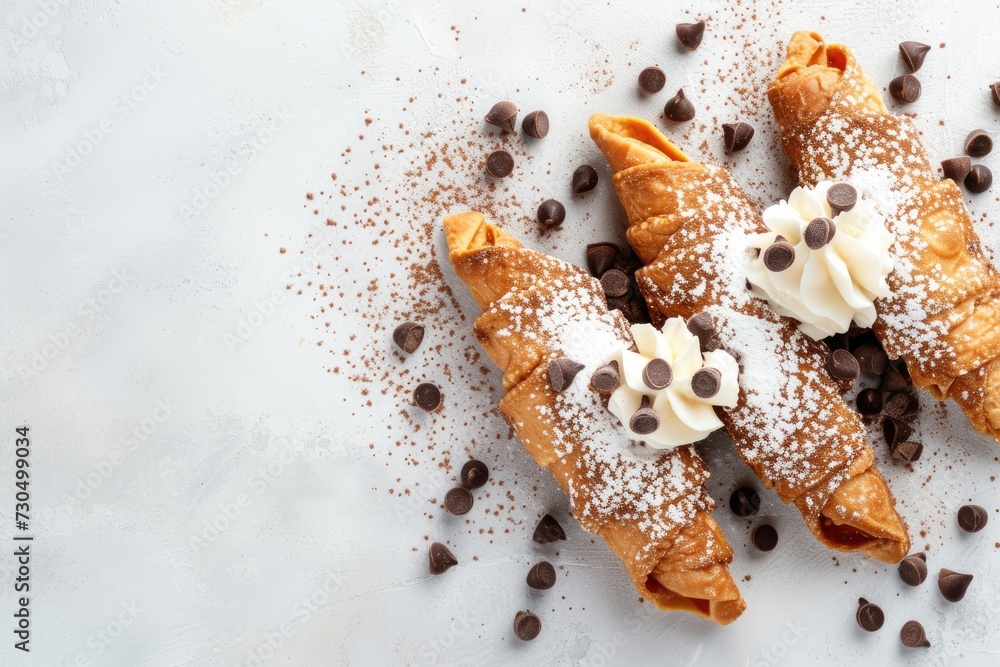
x: 681, y: 397
x: 831, y: 275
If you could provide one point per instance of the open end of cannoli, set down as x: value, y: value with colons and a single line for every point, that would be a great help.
x: 628, y: 141
x: 677, y: 601
x: 861, y: 516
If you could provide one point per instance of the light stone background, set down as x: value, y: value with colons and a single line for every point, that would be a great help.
x: 119, y: 307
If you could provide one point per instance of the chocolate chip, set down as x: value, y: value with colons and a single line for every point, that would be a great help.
x: 972, y: 518
x: 536, y: 124
x: 652, y: 80
x: 615, y: 283
x: 657, y: 374
x: 953, y: 584
x: 979, y: 180
x: 872, y: 358
x: 913, y: 54
x: 408, y: 336
x: 893, y: 380
x: 702, y: 325
x: 869, y: 616
x: 907, y: 451
x: 905, y: 88
x: 542, y: 576
x: 562, y: 371
x: 440, y: 558
x: 551, y: 213
x: 902, y: 405
x: 601, y: 257
x: 706, y: 383
x: 499, y: 164
x: 779, y: 256
x: 679, y: 108
x: 458, y: 501
x: 606, y: 378
x: 841, y: 197
x: 427, y: 396
x: 956, y: 168
x: 645, y: 420
x: 819, y: 232
x: 548, y: 530
x: 869, y: 401
x: 842, y: 365
x: 474, y: 474
x: 764, y: 537
x: 526, y: 626
x: 895, y: 431
x: 995, y: 89
x: 503, y: 115
x: 978, y: 143
x: 584, y: 179
x: 736, y: 136
x: 913, y: 569
x: 744, y: 501
x: 912, y: 635
x: 690, y: 34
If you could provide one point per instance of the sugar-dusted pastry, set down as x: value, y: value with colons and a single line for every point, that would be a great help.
x: 942, y: 312
x: 691, y: 225
x: 546, y: 325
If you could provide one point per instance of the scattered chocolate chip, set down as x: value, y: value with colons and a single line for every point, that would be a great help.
x: 953, y: 584
x: 408, y: 336
x: 474, y: 474
x: 562, y: 371
x: 872, y: 358
x: 764, y: 537
x: 606, y: 379
x: 972, y: 518
x: 679, y: 108
x: 893, y: 380
x: 645, y: 420
x: 526, y: 626
x: 779, y: 256
x: 458, y: 501
x: 652, y: 80
x: 657, y: 374
x: 551, y: 213
x: 995, y: 89
x: 503, y: 115
x: 895, y: 431
x: 702, y: 325
x: 690, y: 34
x: 902, y: 405
x: 913, y: 54
x: 584, y: 179
x: 615, y: 283
x: 542, y: 576
x: 842, y: 365
x: 819, y: 232
x: 427, y: 396
x: 744, y: 501
x: 907, y: 451
x: 548, y: 530
x: 979, y: 180
x: 601, y: 257
x: 869, y: 616
x: 536, y: 124
x: 956, y: 168
x: 440, y: 558
x: 913, y: 569
x: 706, y: 382
x: 978, y: 144
x: 905, y: 88
x: 912, y: 635
x: 869, y: 401
x: 736, y: 136
x: 841, y: 197
x: 499, y: 164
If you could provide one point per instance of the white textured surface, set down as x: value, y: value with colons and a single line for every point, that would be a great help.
x: 315, y: 556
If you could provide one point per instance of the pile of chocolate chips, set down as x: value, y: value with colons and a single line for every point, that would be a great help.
x: 893, y: 404
x: 616, y: 268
